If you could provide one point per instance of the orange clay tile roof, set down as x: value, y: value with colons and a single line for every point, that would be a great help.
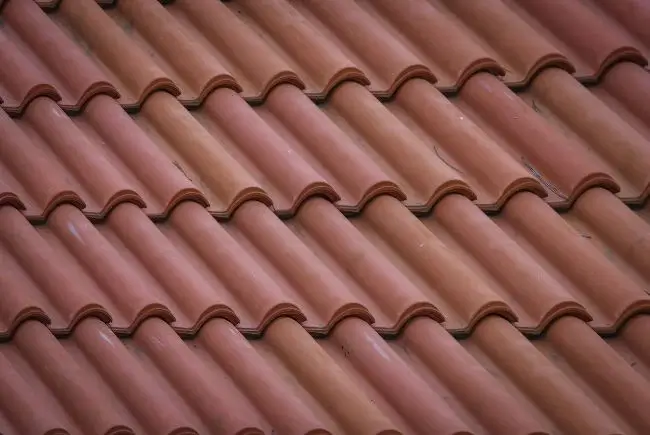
x: 324, y: 217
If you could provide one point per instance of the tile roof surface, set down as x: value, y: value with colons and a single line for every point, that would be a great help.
x: 324, y: 217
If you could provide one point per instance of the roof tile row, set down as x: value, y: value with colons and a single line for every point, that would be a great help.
x: 487, y: 143
x: 219, y: 382
x: 385, y: 266
x: 128, y: 308
x: 251, y: 46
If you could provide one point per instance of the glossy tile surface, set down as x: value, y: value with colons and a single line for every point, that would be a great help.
x: 324, y: 217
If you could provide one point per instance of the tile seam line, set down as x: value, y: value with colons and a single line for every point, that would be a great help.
x: 388, y: 336
x: 320, y: 99
x: 560, y: 208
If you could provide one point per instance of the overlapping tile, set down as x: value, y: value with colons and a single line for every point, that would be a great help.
x: 108, y: 229
x: 385, y: 266
x: 488, y: 145
x: 456, y: 258
x: 94, y: 161
x: 593, y: 34
x: 93, y: 382
x: 563, y: 132
x: 292, y: 150
x: 380, y: 43
x: 44, y: 62
x: 622, y: 235
x: 227, y: 150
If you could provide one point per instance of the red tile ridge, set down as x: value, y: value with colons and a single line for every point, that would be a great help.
x: 95, y: 161
x: 627, y: 388
x: 171, y: 269
x: 295, y: 179
x: 486, y: 65
x: 169, y: 186
x: 376, y: 277
x: 328, y: 300
x: 418, y: 405
x: 79, y: 79
x: 465, y: 300
x: 201, y: 74
x: 566, y: 171
x: 426, y: 177
x: 7, y: 197
x: 609, y: 296
x: 629, y: 84
x: 23, y: 398
x: 31, y: 179
x: 315, y: 369
x: 474, y: 154
x: 422, y: 24
x: 387, y: 61
x: 106, y: 186
x: 144, y: 396
x: 85, y: 242
x: 217, y: 171
x: 298, y: 43
x: 353, y: 75
x: 577, y: 24
x: 492, y: 404
x: 356, y: 180
x: 521, y: 51
x: 248, y: 51
x: 634, y: 22
x: 265, y: 389
x: 517, y: 359
x: 220, y: 381
x: 22, y: 80
x: 493, y: 248
x: 79, y: 397
x: 612, y: 296
x: 480, y: 42
x: 138, y: 77
x: 63, y: 296
x: 549, y: 61
x: 203, y: 232
x: 600, y: 127
x: 618, y: 225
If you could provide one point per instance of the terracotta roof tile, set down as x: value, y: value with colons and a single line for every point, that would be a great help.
x: 486, y: 143
x: 430, y: 213
x: 248, y: 46
x: 93, y: 382
x: 44, y: 62
x: 385, y: 266
x: 94, y: 161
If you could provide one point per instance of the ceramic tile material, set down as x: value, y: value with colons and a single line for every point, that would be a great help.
x: 385, y: 266
x: 93, y: 382
x: 324, y: 217
x: 94, y: 161
x: 486, y: 143
x: 252, y: 45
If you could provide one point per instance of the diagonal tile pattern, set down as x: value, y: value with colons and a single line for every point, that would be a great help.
x: 94, y: 161
x: 385, y: 266
x: 219, y: 382
x: 487, y: 143
x: 276, y: 216
x: 254, y: 45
